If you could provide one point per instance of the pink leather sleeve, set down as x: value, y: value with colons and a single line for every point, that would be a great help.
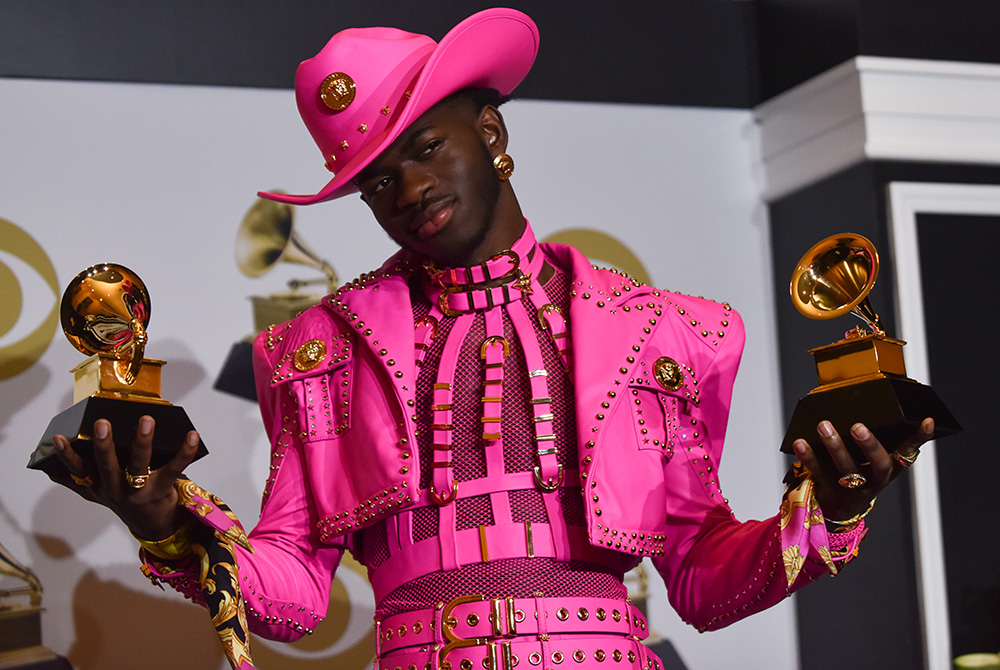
x: 286, y: 573
x: 286, y: 580
x: 717, y: 569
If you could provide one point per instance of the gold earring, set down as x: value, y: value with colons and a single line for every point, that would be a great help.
x: 504, y: 165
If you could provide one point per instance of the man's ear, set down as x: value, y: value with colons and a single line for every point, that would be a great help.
x: 493, y: 130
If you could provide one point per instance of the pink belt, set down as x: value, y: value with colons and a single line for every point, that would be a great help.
x: 493, y: 631
x: 592, y: 652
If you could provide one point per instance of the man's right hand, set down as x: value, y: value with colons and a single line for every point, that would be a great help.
x: 150, y: 511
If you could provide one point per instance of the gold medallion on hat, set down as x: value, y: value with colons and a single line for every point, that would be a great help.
x: 668, y: 373
x: 309, y: 355
x: 337, y: 91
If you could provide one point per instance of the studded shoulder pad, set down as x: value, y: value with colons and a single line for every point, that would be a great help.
x: 313, y: 343
x: 710, y: 320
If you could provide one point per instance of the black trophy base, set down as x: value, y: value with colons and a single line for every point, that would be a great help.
x: 77, y: 424
x: 891, y: 407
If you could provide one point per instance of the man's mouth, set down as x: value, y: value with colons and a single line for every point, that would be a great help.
x: 432, y: 219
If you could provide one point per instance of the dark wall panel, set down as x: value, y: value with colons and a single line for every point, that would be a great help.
x: 958, y: 259
x: 964, y: 30
x: 682, y: 52
x: 713, y: 53
x: 802, y: 38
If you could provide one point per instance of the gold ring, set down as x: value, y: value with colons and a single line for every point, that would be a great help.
x: 81, y: 481
x: 907, y: 460
x: 137, y: 481
x: 852, y: 481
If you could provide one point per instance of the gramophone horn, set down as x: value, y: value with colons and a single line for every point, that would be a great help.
x: 834, y: 277
x: 266, y: 238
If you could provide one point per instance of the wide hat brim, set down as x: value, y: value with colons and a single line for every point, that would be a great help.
x: 494, y: 48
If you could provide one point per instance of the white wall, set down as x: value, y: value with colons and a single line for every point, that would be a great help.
x: 158, y: 178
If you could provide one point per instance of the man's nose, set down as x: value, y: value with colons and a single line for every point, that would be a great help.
x: 415, y: 185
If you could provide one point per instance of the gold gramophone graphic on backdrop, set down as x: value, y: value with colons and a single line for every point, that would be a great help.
x: 104, y: 314
x: 862, y: 378
x: 21, y: 622
x: 266, y: 238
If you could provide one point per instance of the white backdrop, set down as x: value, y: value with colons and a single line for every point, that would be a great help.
x: 158, y: 177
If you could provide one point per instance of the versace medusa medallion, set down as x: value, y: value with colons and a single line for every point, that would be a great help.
x: 668, y: 373
x: 337, y: 91
x: 309, y: 355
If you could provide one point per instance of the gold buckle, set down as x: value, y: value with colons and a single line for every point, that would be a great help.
x: 548, y: 486
x: 510, y: 274
x: 442, y: 500
x: 497, y: 661
x: 448, y: 624
x: 449, y: 290
x: 443, y: 301
x: 544, y: 311
x: 493, y: 341
x: 428, y: 321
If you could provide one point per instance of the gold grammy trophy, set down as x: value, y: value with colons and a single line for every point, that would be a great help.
x: 104, y: 313
x: 862, y: 378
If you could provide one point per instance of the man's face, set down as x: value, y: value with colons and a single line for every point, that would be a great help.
x: 434, y: 190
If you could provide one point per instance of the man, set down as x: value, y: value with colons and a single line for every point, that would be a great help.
x: 496, y: 429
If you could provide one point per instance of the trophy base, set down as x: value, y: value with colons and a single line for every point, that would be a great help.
x: 77, y: 424
x: 21, y: 645
x: 22, y: 628
x: 892, y: 408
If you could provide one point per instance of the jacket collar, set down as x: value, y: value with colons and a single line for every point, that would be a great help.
x: 607, y: 317
x: 606, y: 323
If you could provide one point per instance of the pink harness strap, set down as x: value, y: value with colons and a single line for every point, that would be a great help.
x: 444, y: 487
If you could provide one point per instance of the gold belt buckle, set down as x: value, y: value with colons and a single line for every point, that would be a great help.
x: 499, y: 659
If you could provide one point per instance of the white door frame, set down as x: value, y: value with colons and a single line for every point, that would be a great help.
x: 906, y: 201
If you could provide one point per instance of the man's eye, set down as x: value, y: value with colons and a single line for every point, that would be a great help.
x: 381, y: 184
x: 431, y: 146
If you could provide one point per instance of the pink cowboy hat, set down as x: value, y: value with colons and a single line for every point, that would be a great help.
x: 367, y: 85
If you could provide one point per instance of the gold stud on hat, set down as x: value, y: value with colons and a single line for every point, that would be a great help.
x: 337, y: 91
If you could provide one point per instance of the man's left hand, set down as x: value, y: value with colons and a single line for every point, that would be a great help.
x: 840, y: 502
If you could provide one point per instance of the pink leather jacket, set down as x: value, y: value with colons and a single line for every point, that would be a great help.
x: 336, y: 388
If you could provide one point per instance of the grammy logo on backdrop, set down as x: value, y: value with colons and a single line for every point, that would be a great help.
x: 862, y: 377
x: 104, y: 313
